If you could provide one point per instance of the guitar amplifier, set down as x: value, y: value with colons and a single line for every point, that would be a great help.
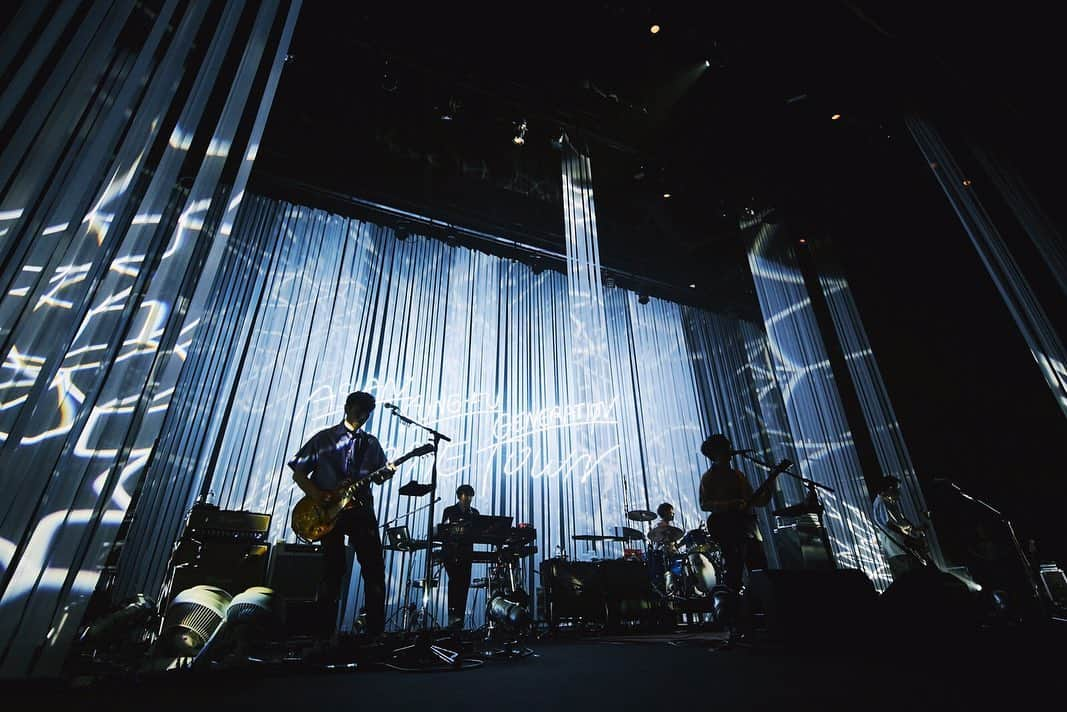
x: 221, y: 548
x: 209, y: 522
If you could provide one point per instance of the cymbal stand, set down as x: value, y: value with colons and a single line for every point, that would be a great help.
x: 424, y: 654
x: 813, y: 488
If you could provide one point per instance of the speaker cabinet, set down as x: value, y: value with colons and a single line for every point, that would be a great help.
x: 573, y: 590
x: 231, y: 566
x: 294, y: 573
x: 628, y: 594
x: 812, y: 607
x: 295, y: 570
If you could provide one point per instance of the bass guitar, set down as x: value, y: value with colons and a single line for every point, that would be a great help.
x: 727, y: 527
x: 311, y: 521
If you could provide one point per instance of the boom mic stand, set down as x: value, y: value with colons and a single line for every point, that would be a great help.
x: 812, y: 500
x: 423, y: 654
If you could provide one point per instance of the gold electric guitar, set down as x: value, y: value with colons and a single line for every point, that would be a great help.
x: 312, y: 521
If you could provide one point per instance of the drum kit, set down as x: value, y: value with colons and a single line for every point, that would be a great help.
x: 681, y: 564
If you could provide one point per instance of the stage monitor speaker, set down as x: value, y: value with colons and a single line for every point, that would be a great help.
x: 928, y: 605
x: 812, y: 608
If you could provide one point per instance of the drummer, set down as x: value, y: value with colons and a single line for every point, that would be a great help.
x: 666, y: 516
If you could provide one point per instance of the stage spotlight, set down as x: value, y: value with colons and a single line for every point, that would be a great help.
x: 654, y: 29
x: 707, y: 64
x: 643, y: 299
x: 835, y: 117
x: 252, y: 618
x: 192, y: 618
x: 121, y: 624
x: 692, y: 286
x: 666, y: 195
x: 520, y: 133
x: 508, y: 614
x: 560, y: 141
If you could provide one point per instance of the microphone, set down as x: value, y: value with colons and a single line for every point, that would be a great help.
x: 390, y: 406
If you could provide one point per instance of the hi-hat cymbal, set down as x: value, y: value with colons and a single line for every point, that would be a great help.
x: 665, y: 535
x: 641, y: 515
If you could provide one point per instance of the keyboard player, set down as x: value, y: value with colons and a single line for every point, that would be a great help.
x: 458, y: 556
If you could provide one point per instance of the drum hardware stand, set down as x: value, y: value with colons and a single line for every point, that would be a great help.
x: 812, y: 500
x: 424, y: 654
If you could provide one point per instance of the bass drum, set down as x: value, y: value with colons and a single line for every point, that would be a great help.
x: 705, y: 570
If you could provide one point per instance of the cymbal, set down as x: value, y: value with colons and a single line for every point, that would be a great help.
x: 593, y: 537
x: 629, y: 534
x: 665, y: 535
x: 641, y: 515
x: 415, y: 489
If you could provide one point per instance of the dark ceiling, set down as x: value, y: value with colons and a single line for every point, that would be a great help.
x: 726, y: 107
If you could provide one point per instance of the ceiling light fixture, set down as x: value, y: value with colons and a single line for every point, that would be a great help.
x: 654, y: 29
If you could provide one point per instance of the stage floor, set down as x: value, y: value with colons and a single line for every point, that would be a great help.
x: 623, y: 672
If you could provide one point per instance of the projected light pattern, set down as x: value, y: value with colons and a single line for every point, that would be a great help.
x: 821, y: 436
x: 1043, y: 338
x: 107, y: 222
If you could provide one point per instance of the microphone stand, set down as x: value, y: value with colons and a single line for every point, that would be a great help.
x: 423, y: 654
x: 813, y: 488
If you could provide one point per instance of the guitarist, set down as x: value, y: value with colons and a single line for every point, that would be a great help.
x: 903, y: 542
x: 345, y: 451
x: 726, y: 493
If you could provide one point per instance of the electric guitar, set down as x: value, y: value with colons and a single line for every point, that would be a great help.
x: 311, y: 521
x: 726, y: 527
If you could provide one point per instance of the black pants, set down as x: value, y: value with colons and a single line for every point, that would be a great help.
x: 459, y: 584
x: 361, y: 527
x: 739, y: 552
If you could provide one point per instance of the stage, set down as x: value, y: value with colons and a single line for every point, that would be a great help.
x: 678, y: 671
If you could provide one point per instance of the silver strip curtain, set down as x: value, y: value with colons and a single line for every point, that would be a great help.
x: 1048, y: 240
x: 1044, y: 340
x: 310, y: 305
x: 821, y: 436
x: 879, y: 417
x: 132, y: 128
